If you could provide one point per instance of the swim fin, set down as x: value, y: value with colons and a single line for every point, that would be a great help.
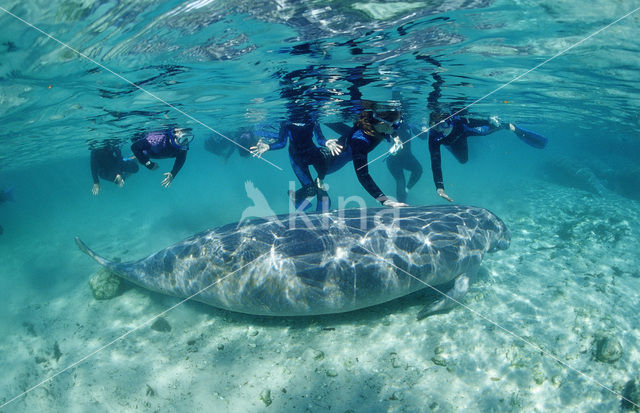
x: 530, y: 138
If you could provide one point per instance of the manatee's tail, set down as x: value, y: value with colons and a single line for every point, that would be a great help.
x: 128, y: 271
x: 100, y: 260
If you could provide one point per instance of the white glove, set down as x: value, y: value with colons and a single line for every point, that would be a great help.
x: 321, y: 185
x: 119, y: 180
x: 393, y: 204
x: 495, y: 121
x: 168, y: 178
x: 443, y: 194
x: 397, y: 145
x: 333, y: 146
x: 259, y: 149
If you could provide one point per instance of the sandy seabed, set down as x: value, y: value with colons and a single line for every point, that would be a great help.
x: 526, y: 340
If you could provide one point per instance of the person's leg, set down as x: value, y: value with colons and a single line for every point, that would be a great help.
x: 394, y: 164
x: 415, y: 169
x: 309, y: 189
x: 301, y: 169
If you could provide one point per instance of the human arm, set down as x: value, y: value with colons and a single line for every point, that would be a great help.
x: 140, y: 149
x: 359, y: 150
x: 317, y: 131
x: 94, y: 168
x: 283, y: 137
x: 119, y: 180
x: 181, y: 157
x: 481, y: 127
x: 436, y: 163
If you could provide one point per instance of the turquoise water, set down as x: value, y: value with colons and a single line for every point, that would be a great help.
x: 569, y: 279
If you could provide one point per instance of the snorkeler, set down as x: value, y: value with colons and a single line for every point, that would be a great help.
x: 169, y: 143
x: 451, y: 129
x: 404, y: 160
x: 299, y: 133
x: 107, y: 163
x: 223, y: 147
x: 369, y: 130
x: 453, y: 133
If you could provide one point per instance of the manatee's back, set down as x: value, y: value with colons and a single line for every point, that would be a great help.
x: 347, y: 259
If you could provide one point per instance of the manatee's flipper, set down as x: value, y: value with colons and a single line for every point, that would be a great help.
x: 443, y: 305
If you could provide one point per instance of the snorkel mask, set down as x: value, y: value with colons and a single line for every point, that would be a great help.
x: 395, y: 125
x: 182, y: 137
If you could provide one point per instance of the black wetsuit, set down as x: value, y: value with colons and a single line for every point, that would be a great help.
x: 404, y: 160
x: 106, y: 163
x: 302, y: 150
x: 358, y: 144
x: 159, y: 145
x: 455, y: 141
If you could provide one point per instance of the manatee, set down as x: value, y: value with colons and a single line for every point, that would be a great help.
x: 309, y: 264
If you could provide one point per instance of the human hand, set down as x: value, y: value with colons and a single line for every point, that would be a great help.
x: 334, y: 146
x: 321, y: 185
x: 119, y: 181
x: 512, y: 127
x: 495, y: 121
x: 394, y: 204
x: 168, y: 178
x: 442, y: 194
x: 96, y: 189
x: 397, y: 145
x: 259, y: 149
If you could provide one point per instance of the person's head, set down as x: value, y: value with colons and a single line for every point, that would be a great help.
x: 387, y: 121
x: 378, y: 118
x: 440, y: 122
x: 379, y: 122
x: 182, y: 137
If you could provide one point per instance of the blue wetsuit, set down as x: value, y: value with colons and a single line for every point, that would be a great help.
x: 455, y: 141
x: 159, y: 145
